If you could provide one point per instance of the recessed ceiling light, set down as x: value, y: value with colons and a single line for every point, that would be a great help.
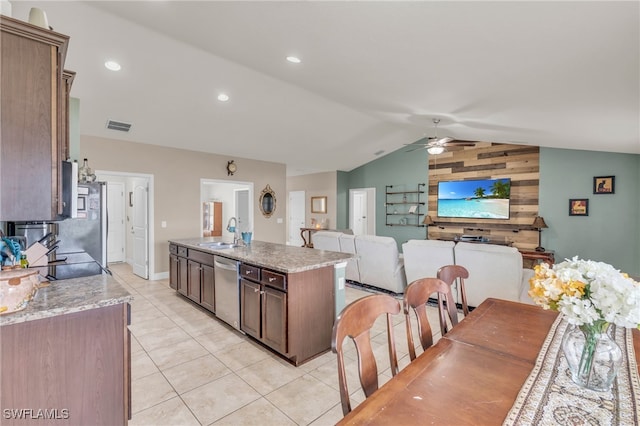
x: 223, y: 97
x: 112, y: 65
x: 294, y: 59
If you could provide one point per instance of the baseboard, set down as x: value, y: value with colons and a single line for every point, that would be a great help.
x: 160, y: 276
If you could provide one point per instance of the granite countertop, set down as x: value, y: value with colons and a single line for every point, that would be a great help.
x: 68, y: 296
x: 279, y: 257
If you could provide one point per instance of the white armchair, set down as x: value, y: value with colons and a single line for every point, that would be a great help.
x: 423, y: 258
x: 380, y: 263
x: 494, y: 271
x: 327, y: 240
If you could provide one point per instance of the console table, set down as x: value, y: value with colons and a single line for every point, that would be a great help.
x: 309, y: 231
x: 495, y: 242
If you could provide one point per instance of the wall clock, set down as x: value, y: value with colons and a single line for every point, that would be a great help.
x: 231, y: 168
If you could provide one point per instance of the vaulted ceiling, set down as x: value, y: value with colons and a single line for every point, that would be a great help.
x: 372, y: 78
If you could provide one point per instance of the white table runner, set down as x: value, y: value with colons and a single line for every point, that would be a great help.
x: 549, y: 396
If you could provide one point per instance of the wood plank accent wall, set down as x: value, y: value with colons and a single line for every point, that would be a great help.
x: 488, y: 160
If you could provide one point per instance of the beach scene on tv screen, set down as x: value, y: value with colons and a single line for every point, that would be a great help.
x: 475, y: 199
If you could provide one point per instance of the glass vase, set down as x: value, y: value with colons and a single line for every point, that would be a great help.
x: 593, y: 356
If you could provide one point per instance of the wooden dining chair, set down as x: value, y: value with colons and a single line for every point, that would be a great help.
x: 355, y: 321
x: 416, y: 296
x: 449, y: 274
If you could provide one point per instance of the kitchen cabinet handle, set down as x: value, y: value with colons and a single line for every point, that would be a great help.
x: 271, y: 279
x: 262, y: 292
x: 255, y: 290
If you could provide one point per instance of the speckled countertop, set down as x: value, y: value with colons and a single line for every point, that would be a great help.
x: 67, y: 296
x: 278, y: 257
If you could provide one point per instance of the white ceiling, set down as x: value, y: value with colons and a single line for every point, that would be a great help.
x: 373, y: 76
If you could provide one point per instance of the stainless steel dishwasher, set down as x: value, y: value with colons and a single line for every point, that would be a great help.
x: 227, y: 290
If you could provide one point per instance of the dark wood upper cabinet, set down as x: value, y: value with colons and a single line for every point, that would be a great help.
x: 34, y: 130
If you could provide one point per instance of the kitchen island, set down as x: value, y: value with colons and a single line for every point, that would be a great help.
x: 287, y: 297
x: 65, y: 358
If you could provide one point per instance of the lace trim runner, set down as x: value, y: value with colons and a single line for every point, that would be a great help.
x: 549, y: 396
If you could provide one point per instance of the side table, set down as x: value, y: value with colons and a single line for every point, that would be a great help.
x: 531, y: 257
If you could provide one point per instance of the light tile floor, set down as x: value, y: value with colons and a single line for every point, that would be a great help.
x: 189, y: 368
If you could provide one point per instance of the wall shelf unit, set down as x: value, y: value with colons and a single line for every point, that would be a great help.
x: 404, y: 208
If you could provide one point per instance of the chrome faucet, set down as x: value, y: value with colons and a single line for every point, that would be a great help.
x: 233, y: 229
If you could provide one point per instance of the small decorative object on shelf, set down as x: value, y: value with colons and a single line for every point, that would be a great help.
x: 591, y: 295
x: 85, y: 173
x: 406, y: 204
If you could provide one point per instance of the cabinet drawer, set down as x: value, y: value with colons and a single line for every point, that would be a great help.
x: 173, y: 249
x: 250, y: 272
x: 274, y: 279
x: 202, y: 257
x: 183, y: 251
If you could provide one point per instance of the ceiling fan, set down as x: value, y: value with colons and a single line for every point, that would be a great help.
x: 436, y: 145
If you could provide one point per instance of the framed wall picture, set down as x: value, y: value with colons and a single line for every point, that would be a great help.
x: 579, y: 207
x: 604, y: 185
x: 318, y: 204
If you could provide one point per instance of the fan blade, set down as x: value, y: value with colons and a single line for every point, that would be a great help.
x: 460, y: 142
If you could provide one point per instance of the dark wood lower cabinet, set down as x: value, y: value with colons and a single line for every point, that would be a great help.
x: 194, y: 281
x: 207, y: 296
x: 290, y: 313
x: 251, y: 312
x: 264, y: 314
x: 274, y: 319
x: 75, y: 366
x: 174, y: 271
x: 183, y: 276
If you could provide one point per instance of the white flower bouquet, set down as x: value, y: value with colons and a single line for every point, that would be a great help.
x: 591, y: 295
x: 587, y: 292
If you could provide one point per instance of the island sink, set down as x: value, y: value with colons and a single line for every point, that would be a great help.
x: 217, y: 245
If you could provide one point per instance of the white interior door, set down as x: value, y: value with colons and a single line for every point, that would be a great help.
x: 116, y: 228
x: 362, y: 211
x: 141, y: 228
x: 242, y: 210
x: 297, y: 217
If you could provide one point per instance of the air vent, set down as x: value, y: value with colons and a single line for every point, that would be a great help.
x: 118, y: 125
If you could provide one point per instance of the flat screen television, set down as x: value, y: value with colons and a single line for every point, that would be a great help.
x: 474, y: 199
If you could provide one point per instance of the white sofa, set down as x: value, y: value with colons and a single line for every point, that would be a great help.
x: 348, y: 245
x: 338, y: 241
x: 377, y: 262
x: 494, y: 271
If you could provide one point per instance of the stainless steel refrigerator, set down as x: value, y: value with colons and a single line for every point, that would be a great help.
x: 86, y: 235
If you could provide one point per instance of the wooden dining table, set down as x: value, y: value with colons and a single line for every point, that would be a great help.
x: 471, y: 376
